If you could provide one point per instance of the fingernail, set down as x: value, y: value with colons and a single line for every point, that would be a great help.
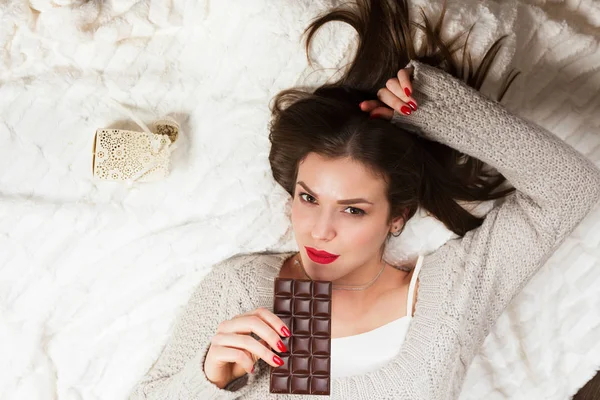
x: 412, y: 105
x: 373, y: 116
x: 252, y: 370
x: 407, y: 91
x: 285, y: 331
x: 278, y: 360
x: 281, y: 346
x: 405, y: 110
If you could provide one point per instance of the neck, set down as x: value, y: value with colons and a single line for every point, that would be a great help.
x: 363, y: 275
x: 361, y: 279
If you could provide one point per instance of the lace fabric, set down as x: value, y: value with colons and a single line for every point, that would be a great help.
x: 130, y: 156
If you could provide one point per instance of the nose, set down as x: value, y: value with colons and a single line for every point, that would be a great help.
x: 323, y: 228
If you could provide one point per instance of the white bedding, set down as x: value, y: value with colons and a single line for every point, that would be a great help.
x: 93, y: 274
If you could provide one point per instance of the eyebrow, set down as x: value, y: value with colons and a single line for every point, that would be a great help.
x: 345, y: 202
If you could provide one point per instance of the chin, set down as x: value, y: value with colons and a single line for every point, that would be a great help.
x: 314, y: 270
x: 320, y: 272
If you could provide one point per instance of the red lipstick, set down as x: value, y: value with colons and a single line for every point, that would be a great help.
x: 319, y: 256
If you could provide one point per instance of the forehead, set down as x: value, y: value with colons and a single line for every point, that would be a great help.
x: 340, y: 178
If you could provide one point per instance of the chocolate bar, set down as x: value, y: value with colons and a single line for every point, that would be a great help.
x: 305, y: 307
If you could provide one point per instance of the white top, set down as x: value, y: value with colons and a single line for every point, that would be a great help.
x: 368, y: 351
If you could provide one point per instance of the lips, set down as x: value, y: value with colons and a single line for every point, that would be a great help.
x: 321, y: 257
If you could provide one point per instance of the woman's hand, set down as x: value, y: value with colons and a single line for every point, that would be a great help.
x: 396, y: 95
x: 233, y: 352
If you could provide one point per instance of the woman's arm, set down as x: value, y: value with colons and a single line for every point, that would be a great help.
x: 556, y: 187
x: 178, y: 373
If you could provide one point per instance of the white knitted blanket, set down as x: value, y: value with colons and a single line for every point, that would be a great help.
x: 92, y: 274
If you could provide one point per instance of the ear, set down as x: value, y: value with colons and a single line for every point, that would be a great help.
x: 400, y: 221
x: 397, y: 220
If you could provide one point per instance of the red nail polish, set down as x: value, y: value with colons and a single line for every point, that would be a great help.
x: 412, y: 105
x: 278, y: 360
x: 373, y: 116
x: 281, y: 346
x: 405, y: 110
x: 407, y: 91
x: 285, y: 331
x: 252, y: 370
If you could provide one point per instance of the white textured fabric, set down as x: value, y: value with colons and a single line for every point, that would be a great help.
x: 371, y: 350
x: 93, y: 275
x: 463, y: 287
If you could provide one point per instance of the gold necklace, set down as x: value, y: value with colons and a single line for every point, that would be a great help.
x: 347, y: 287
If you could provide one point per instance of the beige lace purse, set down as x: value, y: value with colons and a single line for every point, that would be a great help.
x: 130, y: 156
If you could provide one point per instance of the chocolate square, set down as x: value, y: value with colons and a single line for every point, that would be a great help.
x: 305, y: 307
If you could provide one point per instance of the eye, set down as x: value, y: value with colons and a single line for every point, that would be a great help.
x: 358, y: 211
x: 307, y: 195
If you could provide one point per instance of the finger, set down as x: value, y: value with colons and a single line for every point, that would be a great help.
x: 241, y: 315
x: 387, y: 97
x: 225, y: 355
x: 404, y: 76
x: 252, y: 356
x: 377, y: 109
x: 261, y: 342
x: 265, y: 345
x: 273, y: 320
x: 398, y: 87
x: 393, y: 85
x: 382, y: 112
x: 253, y: 324
x: 245, y: 342
x: 370, y: 105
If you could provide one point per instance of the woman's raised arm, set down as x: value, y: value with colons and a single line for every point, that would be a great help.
x: 556, y: 187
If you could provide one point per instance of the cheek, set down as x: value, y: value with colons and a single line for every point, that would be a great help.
x: 365, y: 236
x: 300, y: 216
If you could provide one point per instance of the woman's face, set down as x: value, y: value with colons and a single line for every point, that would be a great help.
x: 354, y: 230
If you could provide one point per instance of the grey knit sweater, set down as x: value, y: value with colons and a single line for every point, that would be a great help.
x: 464, y: 286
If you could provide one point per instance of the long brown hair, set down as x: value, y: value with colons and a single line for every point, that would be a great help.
x: 329, y: 122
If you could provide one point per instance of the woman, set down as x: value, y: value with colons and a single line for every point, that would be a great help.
x: 398, y: 332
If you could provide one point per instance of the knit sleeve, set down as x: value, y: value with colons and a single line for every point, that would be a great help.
x: 556, y: 187
x: 178, y: 373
